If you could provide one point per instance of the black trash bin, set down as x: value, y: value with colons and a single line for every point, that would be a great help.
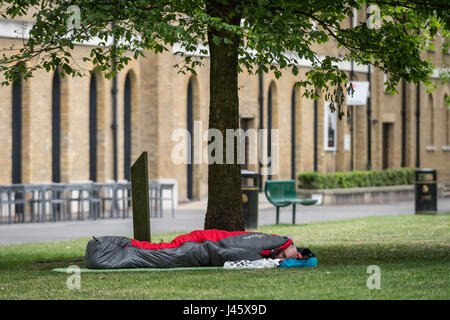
x: 250, y: 198
x: 426, y: 191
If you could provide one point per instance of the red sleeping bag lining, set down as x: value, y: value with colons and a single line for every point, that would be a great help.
x: 200, y: 236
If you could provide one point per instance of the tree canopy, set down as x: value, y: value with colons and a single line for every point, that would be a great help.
x: 272, y: 35
x: 254, y: 35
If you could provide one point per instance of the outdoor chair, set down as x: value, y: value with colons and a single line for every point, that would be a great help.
x: 95, y: 201
x: 14, y: 196
x: 123, y: 196
x: 57, y: 201
x: 282, y: 193
x: 4, y: 201
x: 102, y: 193
x: 154, y: 197
x: 36, y: 194
x: 166, y: 186
x: 79, y: 193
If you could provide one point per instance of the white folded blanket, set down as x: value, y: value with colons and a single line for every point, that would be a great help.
x: 256, y: 264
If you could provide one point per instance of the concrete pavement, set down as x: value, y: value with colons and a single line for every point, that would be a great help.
x: 190, y: 216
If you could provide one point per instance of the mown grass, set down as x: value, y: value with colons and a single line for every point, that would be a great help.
x: 413, y: 253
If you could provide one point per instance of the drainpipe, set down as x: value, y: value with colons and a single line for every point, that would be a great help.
x: 261, y: 123
x: 418, y: 126
x: 114, y: 111
x: 293, y: 134
x: 351, y: 121
x: 352, y: 75
x: 403, y: 123
x: 315, y: 134
x: 369, y: 122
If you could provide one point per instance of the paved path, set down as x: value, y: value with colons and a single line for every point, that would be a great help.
x: 190, y: 217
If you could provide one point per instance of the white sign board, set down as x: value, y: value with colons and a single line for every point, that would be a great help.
x: 360, y: 94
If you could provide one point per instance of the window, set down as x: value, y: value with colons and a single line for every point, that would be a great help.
x: 447, y: 121
x: 190, y: 129
x: 93, y: 129
x: 17, y: 131
x: 127, y: 127
x: 56, y: 128
x: 430, y: 121
x: 330, y: 125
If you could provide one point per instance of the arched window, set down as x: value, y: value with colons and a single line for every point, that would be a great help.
x: 56, y: 128
x: 190, y: 129
x: 17, y: 131
x: 93, y: 129
x: 127, y: 127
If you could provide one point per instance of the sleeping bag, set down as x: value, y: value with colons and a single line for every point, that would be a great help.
x: 196, y: 249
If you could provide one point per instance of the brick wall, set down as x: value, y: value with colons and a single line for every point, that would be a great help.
x: 159, y: 106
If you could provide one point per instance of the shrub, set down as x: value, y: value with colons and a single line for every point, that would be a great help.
x: 354, y: 179
x: 375, y: 178
x: 310, y: 180
x: 342, y: 180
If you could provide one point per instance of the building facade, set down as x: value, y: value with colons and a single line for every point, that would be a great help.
x: 62, y: 129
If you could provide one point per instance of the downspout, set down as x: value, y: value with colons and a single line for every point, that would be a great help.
x: 403, y: 123
x: 293, y: 134
x: 351, y: 121
x: 369, y: 122
x: 261, y: 123
x: 418, y: 126
x: 114, y: 125
x: 269, y: 131
x: 315, y: 134
x: 351, y: 108
x: 403, y: 164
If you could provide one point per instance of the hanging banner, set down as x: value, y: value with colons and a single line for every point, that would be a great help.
x: 360, y: 94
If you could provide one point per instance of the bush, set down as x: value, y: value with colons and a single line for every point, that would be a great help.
x: 354, y: 179
x: 310, y: 180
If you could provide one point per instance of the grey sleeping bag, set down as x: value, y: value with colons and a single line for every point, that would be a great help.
x: 196, y: 249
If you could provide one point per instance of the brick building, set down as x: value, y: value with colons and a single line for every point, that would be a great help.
x: 61, y: 129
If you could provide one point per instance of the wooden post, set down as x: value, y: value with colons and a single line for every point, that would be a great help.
x: 140, y: 199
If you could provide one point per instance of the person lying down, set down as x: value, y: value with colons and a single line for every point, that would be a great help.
x: 199, y: 248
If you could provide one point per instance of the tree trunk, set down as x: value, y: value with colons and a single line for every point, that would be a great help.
x: 224, y: 210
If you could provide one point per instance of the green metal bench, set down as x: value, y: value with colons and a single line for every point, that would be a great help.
x: 282, y: 193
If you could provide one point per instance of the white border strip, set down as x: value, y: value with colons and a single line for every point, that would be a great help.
x: 21, y: 29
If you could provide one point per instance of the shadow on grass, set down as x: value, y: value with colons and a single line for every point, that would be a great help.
x: 51, y: 264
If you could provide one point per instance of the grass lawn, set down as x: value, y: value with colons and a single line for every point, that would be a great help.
x: 413, y: 253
